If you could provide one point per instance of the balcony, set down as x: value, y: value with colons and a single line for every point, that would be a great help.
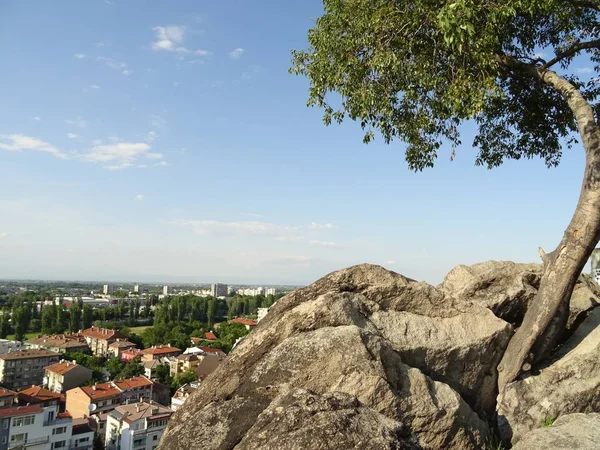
x: 28, y: 442
x: 51, y: 423
x: 82, y: 446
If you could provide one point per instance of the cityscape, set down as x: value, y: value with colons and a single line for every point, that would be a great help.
x: 86, y: 366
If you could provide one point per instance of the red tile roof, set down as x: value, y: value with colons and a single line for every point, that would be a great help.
x: 132, y: 351
x: 37, y: 394
x: 121, y: 343
x: 247, y: 322
x: 132, y: 383
x: 64, y: 341
x: 20, y: 410
x: 103, y: 333
x: 211, y: 350
x: 6, y: 392
x: 28, y: 354
x: 61, y: 367
x: 100, y: 390
x: 160, y: 349
x: 210, y: 336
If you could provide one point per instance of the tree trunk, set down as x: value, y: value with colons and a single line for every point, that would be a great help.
x: 547, y: 315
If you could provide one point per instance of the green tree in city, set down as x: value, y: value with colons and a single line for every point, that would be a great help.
x: 19, y: 321
x: 416, y: 70
x: 163, y: 374
x: 4, y: 323
x: 88, y: 316
x: 48, y: 319
x: 75, y: 316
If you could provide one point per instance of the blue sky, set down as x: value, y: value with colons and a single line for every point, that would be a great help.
x: 148, y: 141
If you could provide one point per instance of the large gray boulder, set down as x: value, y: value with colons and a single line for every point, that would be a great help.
x: 570, y: 383
x: 570, y: 432
x: 507, y: 288
x: 340, y: 336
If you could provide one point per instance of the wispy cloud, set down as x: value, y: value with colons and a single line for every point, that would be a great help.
x: 251, y: 71
x: 97, y: 142
x: 139, y: 197
x: 79, y: 55
x: 321, y: 226
x: 205, y: 227
x: 115, y: 64
x: 237, y: 53
x: 255, y: 215
x: 72, y: 135
x: 390, y: 263
x: 3, y: 234
x: 36, y: 118
x: 78, y: 121
x: 151, y: 136
x: 94, y: 86
x: 19, y: 143
x: 170, y: 39
x: 300, y: 261
x: 121, y: 155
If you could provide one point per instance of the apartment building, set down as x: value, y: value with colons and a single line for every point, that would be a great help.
x: 7, y: 398
x: 35, y: 427
x: 10, y: 346
x: 136, y: 426
x: 82, y: 437
x: 119, y: 346
x: 99, y: 340
x: 25, y: 367
x: 60, y: 343
x: 182, y: 394
x: 159, y: 351
x: 65, y: 375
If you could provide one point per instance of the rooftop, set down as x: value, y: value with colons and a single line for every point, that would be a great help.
x: 122, y: 343
x: 247, y: 322
x: 6, y: 392
x: 28, y: 354
x: 131, y: 383
x: 65, y: 341
x: 210, y: 336
x: 37, y: 394
x: 135, y: 411
x: 100, y: 390
x: 160, y: 349
x: 20, y: 410
x: 62, y: 367
x: 102, y: 333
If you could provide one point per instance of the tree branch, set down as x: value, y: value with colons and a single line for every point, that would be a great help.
x: 571, y: 51
x: 586, y: 4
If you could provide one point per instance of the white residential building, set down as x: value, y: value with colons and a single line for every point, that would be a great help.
x: 182, y: 394
x: 165, y: 290
x: 271, y: 291
x: 218, y: 290
x: 106, y: 289
x: 136, y: 426
x: 35, y: 427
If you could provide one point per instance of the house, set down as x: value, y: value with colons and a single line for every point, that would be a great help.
x: 182, y: 394
x: 36, y: 395
x: 99, y: 340
x: 65, y: 375
x: 82, y: 437
x: 129, y: 355
x: 159, y: 351
x: 138, y: 426
x: 208, y: 336
x: 150, y: 368
x: 60, y: 343
x: 8, y: 398
x: 35, y: 427
x: 205, y: 350
x: 248, y: 323
x: 25, y: 367
x: 183, y: 363
x: 119, y: 346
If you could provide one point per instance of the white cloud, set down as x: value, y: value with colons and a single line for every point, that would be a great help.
x: 201, y: 52
x: 72, y: 135
x: 233, y: 228
x: 390, y: 263
x: 139, y: 197
x: 321, y: 226
x: 237, y: 53
x: 94, y: 86
x: 151, y: 136
x: 78, y: 121
x: 252, y: 215
x: 36, y: 118
x: 161, y: 164
x: 3, y: 235
x: 79, y: 55
x: 19, y: 143
x: 168, y: 39
x: 584, y: 70
x: 115, y: 64
x: 158, y: 122
x: 176, y: 83
x: 97, y: 142
x: 121, y: 155
x: 293, y: 261
x: 324, y: 243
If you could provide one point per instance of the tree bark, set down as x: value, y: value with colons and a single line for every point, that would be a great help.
x: 546, y: 317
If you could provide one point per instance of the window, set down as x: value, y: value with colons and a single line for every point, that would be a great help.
x: 59, y: 444
x: 6, y: 422
x: 155, y: 437
x: 18, y: 437
x: 50, y: 416
x: 23, y: 421
x: 4, y: 439
x: 59, y: 430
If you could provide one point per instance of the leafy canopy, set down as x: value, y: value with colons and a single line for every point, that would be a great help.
x: 416, y: 69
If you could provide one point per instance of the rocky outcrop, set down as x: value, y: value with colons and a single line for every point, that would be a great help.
x: 507, y: 288
x: 570, y: 432
x: 303, y: 420
x: 398, y: 348
x: 569, y: 384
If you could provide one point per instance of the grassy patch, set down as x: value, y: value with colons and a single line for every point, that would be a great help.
x: 139, y: 330
x: 11, y: 337
x: 548, y: 421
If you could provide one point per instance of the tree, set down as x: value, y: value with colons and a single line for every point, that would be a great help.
x: 4, y: 323
x: 48, y: 319
x: 19, y: 322
x: 163, y: 374
x: 75, y: 318
x: 88, y: 316
x: 415, y: 70
x: 115, y: 366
